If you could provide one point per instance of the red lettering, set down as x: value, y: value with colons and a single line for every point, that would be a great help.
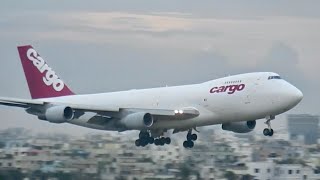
x: 231, y: 89
x: 221, y: 89
x: 213, y: 90
x: 241, y: 87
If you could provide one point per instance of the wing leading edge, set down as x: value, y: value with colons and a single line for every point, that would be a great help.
x: 183, y: 113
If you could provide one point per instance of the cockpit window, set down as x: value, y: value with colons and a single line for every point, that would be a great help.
x: 274, y: 77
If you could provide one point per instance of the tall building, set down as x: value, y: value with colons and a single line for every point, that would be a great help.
x: 304, y: 126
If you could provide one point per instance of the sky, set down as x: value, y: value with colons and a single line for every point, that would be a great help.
x: 103, y: 46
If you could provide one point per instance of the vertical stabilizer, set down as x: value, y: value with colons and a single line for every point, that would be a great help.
x: 42, y: 80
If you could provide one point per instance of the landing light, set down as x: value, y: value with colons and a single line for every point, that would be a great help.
x: 178, y: 111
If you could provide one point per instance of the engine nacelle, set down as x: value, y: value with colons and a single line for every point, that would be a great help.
x: 139, y: 120
x: 59, y: 114
x: 239, y: 127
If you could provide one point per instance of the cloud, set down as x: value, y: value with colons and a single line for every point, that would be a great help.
x: 242, y: 42
x: 122, y: 21
x: 139, y: 45
x: 224, y: 35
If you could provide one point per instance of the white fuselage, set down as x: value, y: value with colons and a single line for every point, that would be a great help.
x: 236, y: 98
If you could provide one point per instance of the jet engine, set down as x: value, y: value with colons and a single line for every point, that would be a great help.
x: 139, y: 120
x: 59, y: 114
x: 239, y: 127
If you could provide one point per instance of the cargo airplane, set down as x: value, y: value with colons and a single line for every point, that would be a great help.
x: 235, y: 102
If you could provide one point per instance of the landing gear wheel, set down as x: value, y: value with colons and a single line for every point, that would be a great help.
x: 157, y: 142
x: 194, y: 137
x: 167, y: 140
x: 190, y: 138
x: 185, y: 144
x: 163, y: 141
x: 137, y: 143
x: 270, y: 132
x: 188, y: 144
x: 151, y: 140
x: 144, y: 139
x: 144, y: 142
x: 143, y: 135
x: 266, y: 132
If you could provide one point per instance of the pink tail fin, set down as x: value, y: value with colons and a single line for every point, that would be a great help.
x: 42, y: 80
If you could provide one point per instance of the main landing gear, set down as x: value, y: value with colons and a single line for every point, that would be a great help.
x: 268, y: 131
x: 145, y: 138
x: 190, y: 138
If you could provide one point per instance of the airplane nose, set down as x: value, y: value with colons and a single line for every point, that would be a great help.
x: 296, y: 95
x: 287, y: 96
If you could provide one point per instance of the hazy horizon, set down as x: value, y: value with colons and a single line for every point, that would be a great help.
x: 111, y: 45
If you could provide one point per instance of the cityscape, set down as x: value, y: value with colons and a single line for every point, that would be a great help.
x: 289, y: 154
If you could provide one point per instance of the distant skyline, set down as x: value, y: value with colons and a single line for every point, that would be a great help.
x: 104, y: 46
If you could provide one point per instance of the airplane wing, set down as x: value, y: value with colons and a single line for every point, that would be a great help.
x: 26, y: 103
x: 183, y: 113
x: 22, y: 103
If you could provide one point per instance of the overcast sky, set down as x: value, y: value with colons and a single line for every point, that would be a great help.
x: 102, y: 46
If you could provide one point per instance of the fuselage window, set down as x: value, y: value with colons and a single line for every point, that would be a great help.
x: 274, y: 77
x: 232, y: 82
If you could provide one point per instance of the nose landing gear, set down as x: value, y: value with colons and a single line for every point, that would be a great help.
x: 268, y: 131
x: 190, y: 138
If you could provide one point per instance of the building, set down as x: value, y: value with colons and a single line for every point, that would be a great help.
x: 261, y: 170
x: 304, y: 126
x: 269, y: 170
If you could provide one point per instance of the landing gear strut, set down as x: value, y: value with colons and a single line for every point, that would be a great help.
x: 190, y: 138
x: 268, y: 131
x: 145, y: 138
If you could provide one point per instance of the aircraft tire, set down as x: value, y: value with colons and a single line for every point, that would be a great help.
x: 157, y: 142
x: 194, y: 137
x: 143, y: 135
x: 137, y: 143
x: 185, y: 144
x: 144, y: 141
x: 266, y: 132
x: 167, y: 140
x: 190, y: 144
x: 151, y: 140
x: 163, y: 141
x: 270, y: 132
